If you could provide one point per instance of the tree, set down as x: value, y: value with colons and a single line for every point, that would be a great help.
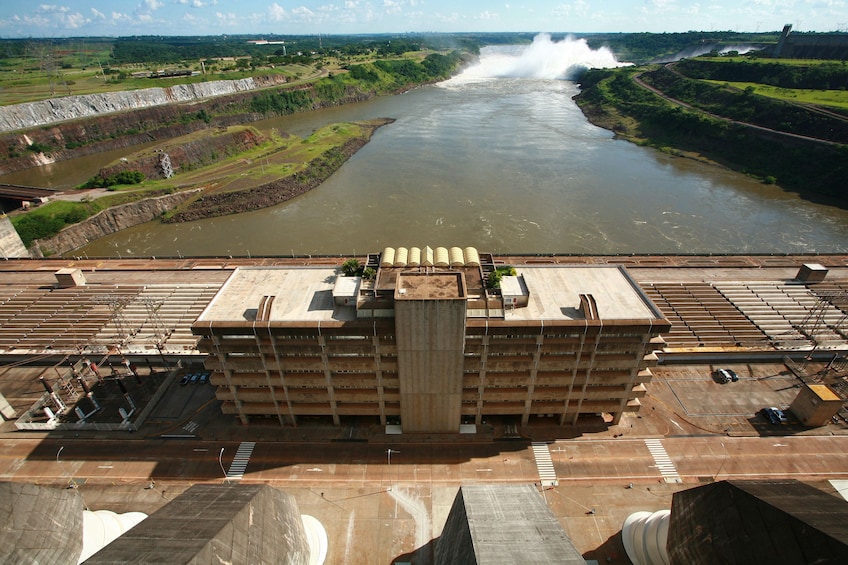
x: 351, y: 268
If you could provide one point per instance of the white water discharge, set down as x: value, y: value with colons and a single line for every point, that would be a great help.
x: 542, y: 59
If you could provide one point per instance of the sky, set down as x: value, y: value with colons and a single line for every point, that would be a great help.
x: 80, y: 18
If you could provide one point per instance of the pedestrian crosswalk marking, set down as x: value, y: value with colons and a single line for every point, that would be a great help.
x: 544, y: 464
x: 240, y: 461
x: 662, y: 461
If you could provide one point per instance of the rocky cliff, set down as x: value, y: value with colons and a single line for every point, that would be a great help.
x: 107, y: 222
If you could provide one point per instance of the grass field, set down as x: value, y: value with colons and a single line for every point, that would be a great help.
x: 833, y: 98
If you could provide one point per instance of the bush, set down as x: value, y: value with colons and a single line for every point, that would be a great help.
x: 48, y: 220
x: 124, y: 177
x: 37, y: 147
x: 352, y: 268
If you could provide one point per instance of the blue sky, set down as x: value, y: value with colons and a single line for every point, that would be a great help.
x: 19, y: 18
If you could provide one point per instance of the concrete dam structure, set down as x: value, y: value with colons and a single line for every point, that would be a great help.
x: 46, y: 112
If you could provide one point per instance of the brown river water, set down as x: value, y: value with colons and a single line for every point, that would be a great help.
x: 499, y: 158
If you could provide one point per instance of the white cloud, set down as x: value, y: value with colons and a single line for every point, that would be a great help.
x: 487, y: 15
x: 52, y: 9
x: 579, y: 8
x: 392, y: 7
x: 228, y: 19
x: 97, y: 14
x: 303, y: 12
x: 153, y: 5
x: 276, y: 13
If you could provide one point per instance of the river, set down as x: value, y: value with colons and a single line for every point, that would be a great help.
x: 501, y: 158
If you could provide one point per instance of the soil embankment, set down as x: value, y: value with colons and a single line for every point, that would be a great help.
x: 188, y: 153
x: 77, y: 138
x: 280, y: 190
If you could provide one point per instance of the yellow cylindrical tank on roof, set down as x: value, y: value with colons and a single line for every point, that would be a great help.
x: 472, y: 258
x: 414, y: 259
x: 427, y: 259
x: 388, y: 258
x: 457, y: 259
x: 401, y: 256
x: 442, y: 259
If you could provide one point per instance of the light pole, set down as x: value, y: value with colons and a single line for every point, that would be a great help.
x: 221, y: 462
x: 723, y: 460
x: 389, y: 452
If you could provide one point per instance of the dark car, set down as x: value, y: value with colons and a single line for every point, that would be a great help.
x: 775, y: 415
x: 185, y: 379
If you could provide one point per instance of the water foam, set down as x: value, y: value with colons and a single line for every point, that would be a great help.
x: 543, y: 59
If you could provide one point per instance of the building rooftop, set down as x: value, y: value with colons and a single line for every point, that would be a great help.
x: 299, y: 294
x: 422, y: 286
x: 306, y: 293
x: 555, y: 293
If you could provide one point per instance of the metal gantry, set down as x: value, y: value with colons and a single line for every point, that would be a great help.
x: 815, y: 321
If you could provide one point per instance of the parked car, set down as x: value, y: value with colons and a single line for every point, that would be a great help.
x: 194, y: 378
x: 204, y: 378
x: 185, y: 379
x: 775, y: 415
x: 727, y: 375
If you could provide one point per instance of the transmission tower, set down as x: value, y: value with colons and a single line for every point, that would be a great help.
x: 117, y: 304
x: 153, y: 306
x: 815, y: 319
x: 165, y: 164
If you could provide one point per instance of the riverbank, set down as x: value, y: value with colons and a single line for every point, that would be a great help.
x: 280, y: 190
x: 618, y: 100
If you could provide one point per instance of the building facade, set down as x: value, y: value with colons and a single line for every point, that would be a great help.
x: 425, y: 341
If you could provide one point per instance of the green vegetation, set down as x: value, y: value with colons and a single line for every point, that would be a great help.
x: 835, y: 99
x: 353, y: 268
x: 611, y: 98
x: 493, y: 280
x: 124, y: 177
x: 37, y: 69
x: 51, y: 218
x: 820, y: 75
x: 645, y: 47
x: 745, y: 106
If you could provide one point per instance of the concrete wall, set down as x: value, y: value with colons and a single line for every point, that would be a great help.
x: 430, y: 342
x: 45, y: 112
x: 10, y: 242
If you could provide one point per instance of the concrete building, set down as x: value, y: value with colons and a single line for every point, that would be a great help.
x: 503, y: 524
x: 254, y: 524
x: 815, y: 405
x: 741, y: 522
x: 425, y: 341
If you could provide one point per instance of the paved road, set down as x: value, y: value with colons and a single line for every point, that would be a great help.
x: 618, y: 460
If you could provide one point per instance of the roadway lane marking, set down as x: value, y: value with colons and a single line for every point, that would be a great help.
x: 662, y: 461
x: 544, y: 464
x: 240, y: 461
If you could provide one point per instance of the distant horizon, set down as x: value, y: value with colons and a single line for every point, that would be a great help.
x: 270, y: 36
x: 205, y: 18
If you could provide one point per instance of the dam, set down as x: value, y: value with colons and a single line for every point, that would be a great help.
x: 701, y: 310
